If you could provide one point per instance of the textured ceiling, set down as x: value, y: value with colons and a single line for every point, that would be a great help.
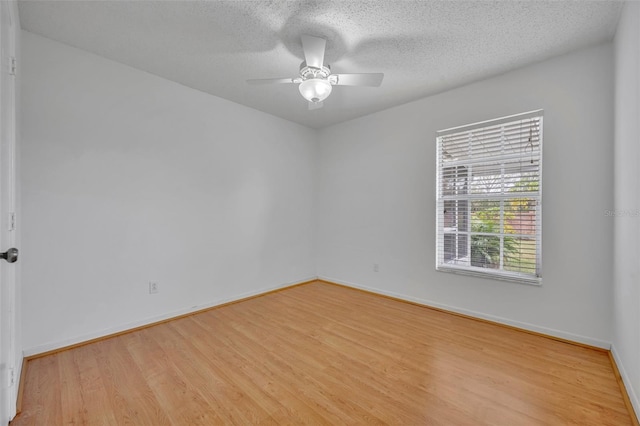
x: 422, y: 47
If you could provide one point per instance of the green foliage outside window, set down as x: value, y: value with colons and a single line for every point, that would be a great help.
x: 485, y: 249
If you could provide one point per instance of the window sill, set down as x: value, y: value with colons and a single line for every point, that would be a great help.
x: 518, y: 279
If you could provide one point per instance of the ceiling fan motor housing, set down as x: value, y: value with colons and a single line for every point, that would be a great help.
x: 307, y: 72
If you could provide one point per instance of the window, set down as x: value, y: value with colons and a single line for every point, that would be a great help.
x: 489, y: 198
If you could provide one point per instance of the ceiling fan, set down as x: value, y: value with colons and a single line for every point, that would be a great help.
x: 316, y: 80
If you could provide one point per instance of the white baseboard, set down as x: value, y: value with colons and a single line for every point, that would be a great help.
x: 523, y: 325
x: 39, y: 349
x: 633, y: 396
x: 15, y: 389
x: 35, y: 350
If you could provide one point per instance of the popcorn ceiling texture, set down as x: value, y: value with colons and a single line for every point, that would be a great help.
x: 423, y: 47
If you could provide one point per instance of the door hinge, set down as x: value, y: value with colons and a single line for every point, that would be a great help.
x: 12, y: 377
x: 12, y: 221
x: 12, y: 65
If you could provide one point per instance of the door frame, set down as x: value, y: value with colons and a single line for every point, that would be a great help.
x: 10, y: 350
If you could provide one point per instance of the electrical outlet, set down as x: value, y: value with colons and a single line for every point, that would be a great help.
x: 153, y: 287
x: 375, y: 267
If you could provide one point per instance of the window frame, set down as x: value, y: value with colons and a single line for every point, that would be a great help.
x: 469, y: 197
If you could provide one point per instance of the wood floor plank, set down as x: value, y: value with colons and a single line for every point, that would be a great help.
x: 249, y: 401
x: 310, y: 367
x: 180, y: 399
x: 336, y: 359
x: 324, y: 354
x: 45, y: 406
x: 393, y: 361
x: 519, y: 366
x: 91, y: 387
x: 218, y: 389
x: 72, y: 402
x: 302, y: 372
x: 265, y: 388
x: 131, y: 399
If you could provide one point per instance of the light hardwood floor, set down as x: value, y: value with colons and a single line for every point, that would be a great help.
x: 324, y: 354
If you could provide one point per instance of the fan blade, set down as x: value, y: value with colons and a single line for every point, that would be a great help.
x: 313, y: 50
x: 315, y: 105
x: 271, y: 81
x: 364, y: 79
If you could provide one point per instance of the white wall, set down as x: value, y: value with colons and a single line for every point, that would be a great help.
x: 626, y: 284
x: 129, y: 178
x: 376, y: 198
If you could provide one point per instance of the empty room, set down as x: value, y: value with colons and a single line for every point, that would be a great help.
x: 319, y: 212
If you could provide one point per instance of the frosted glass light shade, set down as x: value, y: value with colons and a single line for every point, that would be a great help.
x: 315, y: 89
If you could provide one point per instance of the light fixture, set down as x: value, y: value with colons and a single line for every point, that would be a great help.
x: 315, y: 89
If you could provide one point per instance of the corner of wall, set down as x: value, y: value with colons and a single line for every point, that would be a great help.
x: 628, y: 392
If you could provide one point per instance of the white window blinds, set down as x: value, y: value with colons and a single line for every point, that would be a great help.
x: 489, y: 193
